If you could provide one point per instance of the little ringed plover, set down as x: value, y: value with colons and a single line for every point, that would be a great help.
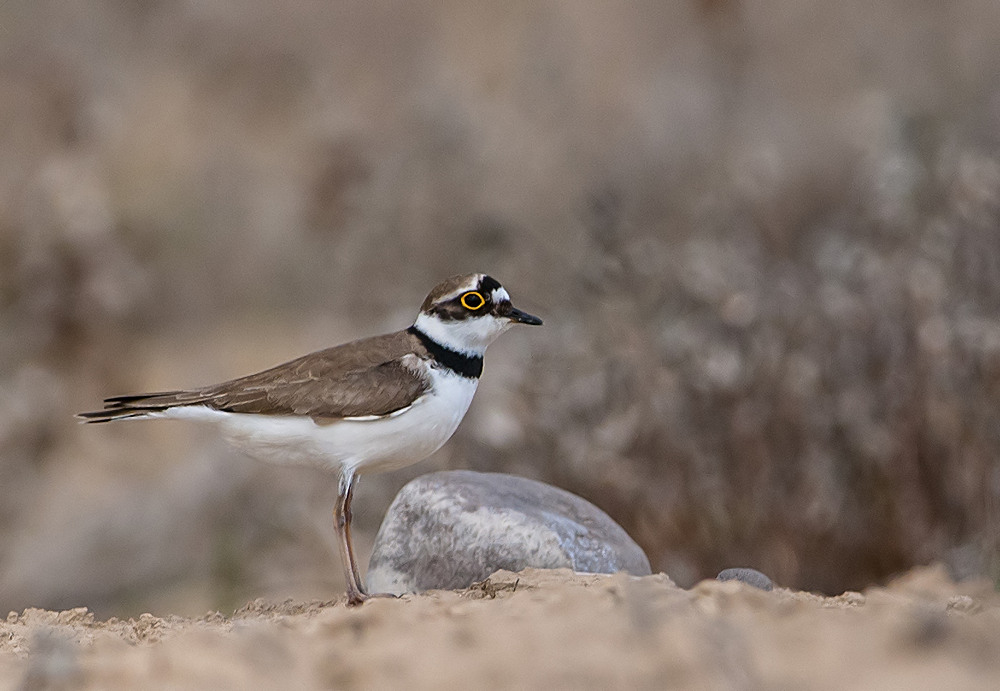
x: 368, y: 406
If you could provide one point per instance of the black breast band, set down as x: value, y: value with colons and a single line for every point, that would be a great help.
x: 466, y: 365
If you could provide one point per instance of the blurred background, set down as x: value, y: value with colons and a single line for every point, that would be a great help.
x: 764, y: 237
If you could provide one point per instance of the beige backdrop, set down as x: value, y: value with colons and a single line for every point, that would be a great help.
x: 763, y: 237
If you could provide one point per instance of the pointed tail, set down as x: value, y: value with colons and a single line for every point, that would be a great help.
x: 140, y: 405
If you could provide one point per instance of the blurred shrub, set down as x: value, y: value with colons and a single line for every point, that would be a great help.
x: 822, y: 410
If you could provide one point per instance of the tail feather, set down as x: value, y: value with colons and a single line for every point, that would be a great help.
x: 138, y: 405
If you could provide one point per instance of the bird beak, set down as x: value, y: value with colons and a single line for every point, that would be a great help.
x: 516, y: 315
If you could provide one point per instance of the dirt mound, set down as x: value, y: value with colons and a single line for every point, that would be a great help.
x: 537, y: 629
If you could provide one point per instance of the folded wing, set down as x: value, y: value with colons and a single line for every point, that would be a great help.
x: 370, y: 378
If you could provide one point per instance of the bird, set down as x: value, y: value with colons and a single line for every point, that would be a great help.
x: 371, y: 405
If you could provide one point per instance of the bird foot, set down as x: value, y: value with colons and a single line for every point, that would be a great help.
x: 358, y: 598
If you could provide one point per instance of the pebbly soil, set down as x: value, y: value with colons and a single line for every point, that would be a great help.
x: 537, y: 629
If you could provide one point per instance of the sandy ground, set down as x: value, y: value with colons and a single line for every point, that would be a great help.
x: 537, y: 629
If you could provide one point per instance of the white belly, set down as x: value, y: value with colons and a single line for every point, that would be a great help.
x: 368, y: 445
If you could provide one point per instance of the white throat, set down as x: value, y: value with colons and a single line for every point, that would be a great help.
x: 468, y: 336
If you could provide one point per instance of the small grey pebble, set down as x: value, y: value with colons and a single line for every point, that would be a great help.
x: 749, y: 576
x: 450, y: 529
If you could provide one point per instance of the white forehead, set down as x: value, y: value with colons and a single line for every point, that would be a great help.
x: 497, y: 295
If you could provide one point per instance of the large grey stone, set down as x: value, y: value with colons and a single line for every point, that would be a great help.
x: 450, y: 529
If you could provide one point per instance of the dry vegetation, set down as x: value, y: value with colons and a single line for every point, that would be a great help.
x: 764, y: 236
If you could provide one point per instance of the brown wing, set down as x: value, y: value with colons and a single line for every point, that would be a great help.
x: 373, y: 376
x: 377, y: 390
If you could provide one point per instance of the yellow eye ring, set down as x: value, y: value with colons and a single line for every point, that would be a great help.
x: 473, y: 300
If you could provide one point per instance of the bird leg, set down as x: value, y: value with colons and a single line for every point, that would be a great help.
x: 342, y: 520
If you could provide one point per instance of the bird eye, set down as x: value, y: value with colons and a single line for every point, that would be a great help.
x: 473, y: 300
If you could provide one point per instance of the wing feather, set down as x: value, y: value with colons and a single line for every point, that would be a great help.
x: 373, y: 377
